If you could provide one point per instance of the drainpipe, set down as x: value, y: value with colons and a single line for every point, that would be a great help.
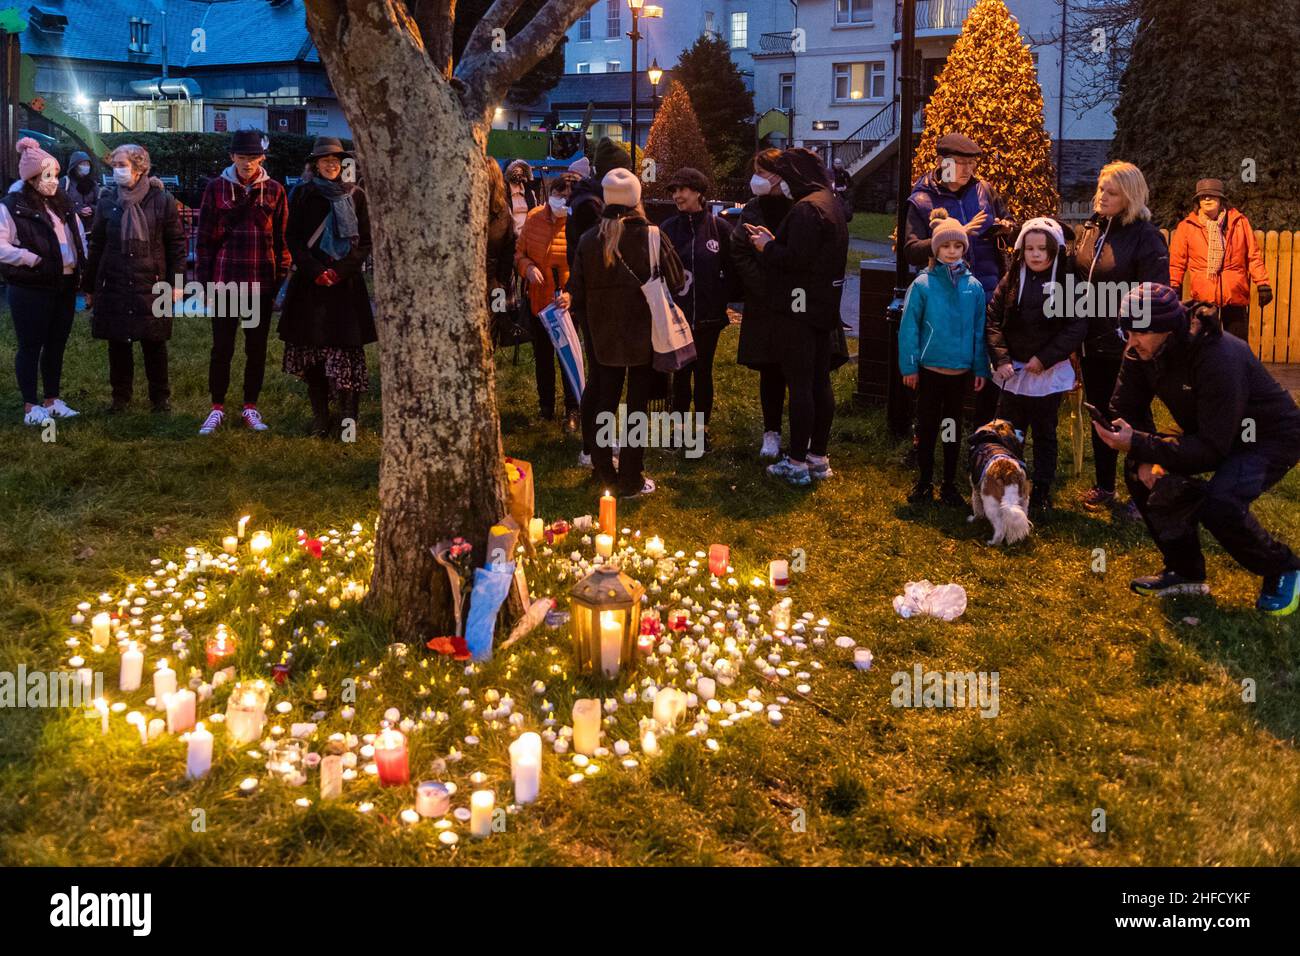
x: 1060, y: 103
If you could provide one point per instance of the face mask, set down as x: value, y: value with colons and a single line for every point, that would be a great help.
x: 557, y: 206
x: 83, y: 169
x: 759, y: 186
x: 122, y: 175
x: 47, y: 187
x: 785, y: 189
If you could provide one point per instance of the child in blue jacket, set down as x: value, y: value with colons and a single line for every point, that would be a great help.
x: 940, y: 346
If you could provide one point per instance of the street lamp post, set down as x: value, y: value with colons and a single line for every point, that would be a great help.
x: 655, y: 74
x: 897, y: 410
x: 639, y: 9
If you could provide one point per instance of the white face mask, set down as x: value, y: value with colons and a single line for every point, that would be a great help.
x: 557, y: 206
x: 122, y: 175
x: 83, y: 169
x: 759, y: 186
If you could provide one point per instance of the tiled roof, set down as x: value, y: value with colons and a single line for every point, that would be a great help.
x: 235, y: 32
x: 579, y: 88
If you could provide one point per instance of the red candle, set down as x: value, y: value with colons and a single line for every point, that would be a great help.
x: 390, y: 759
x: 719, y: 555
x: 609, y: 514
x: 219, y: 646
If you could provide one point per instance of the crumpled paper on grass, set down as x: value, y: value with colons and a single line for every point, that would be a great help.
x: 947, y: 602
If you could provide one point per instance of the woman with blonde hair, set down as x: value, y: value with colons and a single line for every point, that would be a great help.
x: 610, y: 266
x: 1118, y: 248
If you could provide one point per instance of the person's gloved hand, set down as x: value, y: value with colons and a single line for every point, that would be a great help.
x: 1265, y: 295
x: 327, y: 278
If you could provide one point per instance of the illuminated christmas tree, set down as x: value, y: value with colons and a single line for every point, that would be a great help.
x: 989, y: 91
x: 675, y: 141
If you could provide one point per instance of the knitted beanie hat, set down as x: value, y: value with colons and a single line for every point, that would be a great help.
x: 621, y: 188
x: 1152, y: 307
x: 32, y: 159
x: 944, y: 229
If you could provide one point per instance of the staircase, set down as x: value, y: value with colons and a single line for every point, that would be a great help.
x: 865, y: 149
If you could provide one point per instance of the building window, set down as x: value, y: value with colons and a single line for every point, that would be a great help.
x: 139, y: 42
x: 613, y: 66
x: 584, y: 26
x: 740, y: 31
x: 852, y: 11
x: 787, y: 91
x: 584, y: 67
x: 708, y: 23
x: 859, y: 81
x: 613, y: 18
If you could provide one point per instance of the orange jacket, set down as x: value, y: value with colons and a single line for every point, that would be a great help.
x: 542, y: 244
x: 1242, y: 262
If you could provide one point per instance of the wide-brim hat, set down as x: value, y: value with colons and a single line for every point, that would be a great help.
x: 1210, y: 187
x: 327, y: 146
x: 248, y: 142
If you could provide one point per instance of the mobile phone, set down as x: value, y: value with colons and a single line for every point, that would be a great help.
x: 1099, y: 418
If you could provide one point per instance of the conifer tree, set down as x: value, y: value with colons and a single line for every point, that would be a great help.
x: 675, y: 141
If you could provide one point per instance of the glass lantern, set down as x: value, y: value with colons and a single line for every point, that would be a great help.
x: 246, y: 711
x: 606, y: 621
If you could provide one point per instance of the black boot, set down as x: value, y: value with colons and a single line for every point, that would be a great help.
x: 349, y: 410
x: 319, y: 393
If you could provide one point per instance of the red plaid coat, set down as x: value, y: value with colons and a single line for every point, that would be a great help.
x: 241, y: 233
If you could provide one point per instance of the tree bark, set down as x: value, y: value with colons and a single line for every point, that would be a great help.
x: 421, y: 138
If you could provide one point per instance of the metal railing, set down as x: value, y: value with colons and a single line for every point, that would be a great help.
x: 882, y: 126
x: 936, y: 14
x: 776, y: 43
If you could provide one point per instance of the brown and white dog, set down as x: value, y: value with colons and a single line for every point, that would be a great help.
x: 999, y: 484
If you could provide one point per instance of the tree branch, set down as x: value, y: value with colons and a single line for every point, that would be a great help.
x: 487, y: 73
x: 435, y: 18
x: 498, y: 16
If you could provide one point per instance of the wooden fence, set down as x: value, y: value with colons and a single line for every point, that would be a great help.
x: 1275, y: 330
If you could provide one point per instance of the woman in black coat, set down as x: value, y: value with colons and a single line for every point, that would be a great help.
x: 327, y: 321
x: 136, y: 244
x: 1119, y: 244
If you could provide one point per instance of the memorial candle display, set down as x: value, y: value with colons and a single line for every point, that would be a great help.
x: 608, y: 514
x: 132, y: 668
x: 586, y: 725
x: 100, y: 626
x: 719, y: 556
x: 180, y: 711
x: 391, y: 758
x: 198, y: 752
x: 778, y: 574
x: 164, y: 683
x: 481, y: 803
x: 611, y: 642
x: 246, y: 712
x: 526, y: 767
x: 604, y: 545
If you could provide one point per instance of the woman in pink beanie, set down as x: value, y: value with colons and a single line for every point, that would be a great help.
x: 42, y: 248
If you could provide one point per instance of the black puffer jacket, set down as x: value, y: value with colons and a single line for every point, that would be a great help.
x: 35, y: 233
x: 1128, y: 253
x: 585, y: 204
x: 122, y: 275
x: 805, y: 262
x: 703, y: 243
x: 759, y: 341
x: 1017, y: 326
x: 1215, y: 389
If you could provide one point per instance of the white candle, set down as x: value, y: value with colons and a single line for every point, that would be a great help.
x: 649, y: 743
x: 604, y: 545
x: 654, y: 548
x: 778, y: 574
x: 611, y: 642
x: 243, y: 526
x: 136, y: 719
x: 132, y: 668
x: 156, y: 727
x: 230, y: 544
x: 586, y: 725
x: 246, y: 712
x: 101, y: 705
x: 526, y: 767
x: 260, y: 542
x: 432, y: 799
x: 180, y: 711
x: 99, y: 629
x: 164, y: 683
x: 705, y: 688
x: 331, y: 776
x: 536, y: 530
x: 481, y: 803
x: 198, y: 753
x: 670, y: 704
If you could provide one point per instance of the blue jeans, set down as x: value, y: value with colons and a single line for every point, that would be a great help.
x: 42, y: 323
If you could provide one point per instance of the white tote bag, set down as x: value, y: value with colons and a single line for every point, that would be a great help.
x: 670, y: 334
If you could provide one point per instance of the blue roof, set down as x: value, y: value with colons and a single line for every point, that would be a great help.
x: 235, y: 32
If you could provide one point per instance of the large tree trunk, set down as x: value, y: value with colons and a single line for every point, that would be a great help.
x: 422, y: 160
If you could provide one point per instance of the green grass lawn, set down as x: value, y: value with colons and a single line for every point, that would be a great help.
x: 875, y: 226
x: 1107, y: 701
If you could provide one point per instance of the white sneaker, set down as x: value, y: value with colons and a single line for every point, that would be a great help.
x: 60, y: 410
x: 819, y: 466
x: 37, y: 416
x: 253, y: 419
x: 212, y: 422
x: 647, y: 488
x: 771, y: 445
x: 584, y: 460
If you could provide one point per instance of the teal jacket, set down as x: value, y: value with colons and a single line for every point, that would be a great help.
x: 943, y: 324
